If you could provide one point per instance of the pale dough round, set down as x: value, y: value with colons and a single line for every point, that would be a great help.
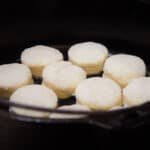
x: 34, y: 95
x: 137, y: 92
x: 13, y: 76
x: 37, y: 57
x: 63, y: 77
x: 123, y: 67
x: 88, y: 55
x: 74, y: 107
x: 98, y: 93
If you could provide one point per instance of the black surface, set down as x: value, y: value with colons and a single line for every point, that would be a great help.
x: 19, y: 135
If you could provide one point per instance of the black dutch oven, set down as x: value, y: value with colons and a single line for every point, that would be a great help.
x: 26, y: 132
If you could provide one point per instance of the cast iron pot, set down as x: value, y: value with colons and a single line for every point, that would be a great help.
x: 26, y: 132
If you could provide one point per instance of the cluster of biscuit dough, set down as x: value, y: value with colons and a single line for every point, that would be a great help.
x: 122, y: 84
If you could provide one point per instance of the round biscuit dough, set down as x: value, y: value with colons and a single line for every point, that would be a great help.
x: 33, y: 95
x: 74, y: 107
x: 137, y: 92
x: 13, y: 76
x: 37, y: 57
x: 88, y: 55
x: 98, y: 93
x: 123, y: 67
x: 63, y: 77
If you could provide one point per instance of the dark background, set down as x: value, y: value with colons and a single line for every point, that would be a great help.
x: 59, y: 21
x: 51, y: 8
